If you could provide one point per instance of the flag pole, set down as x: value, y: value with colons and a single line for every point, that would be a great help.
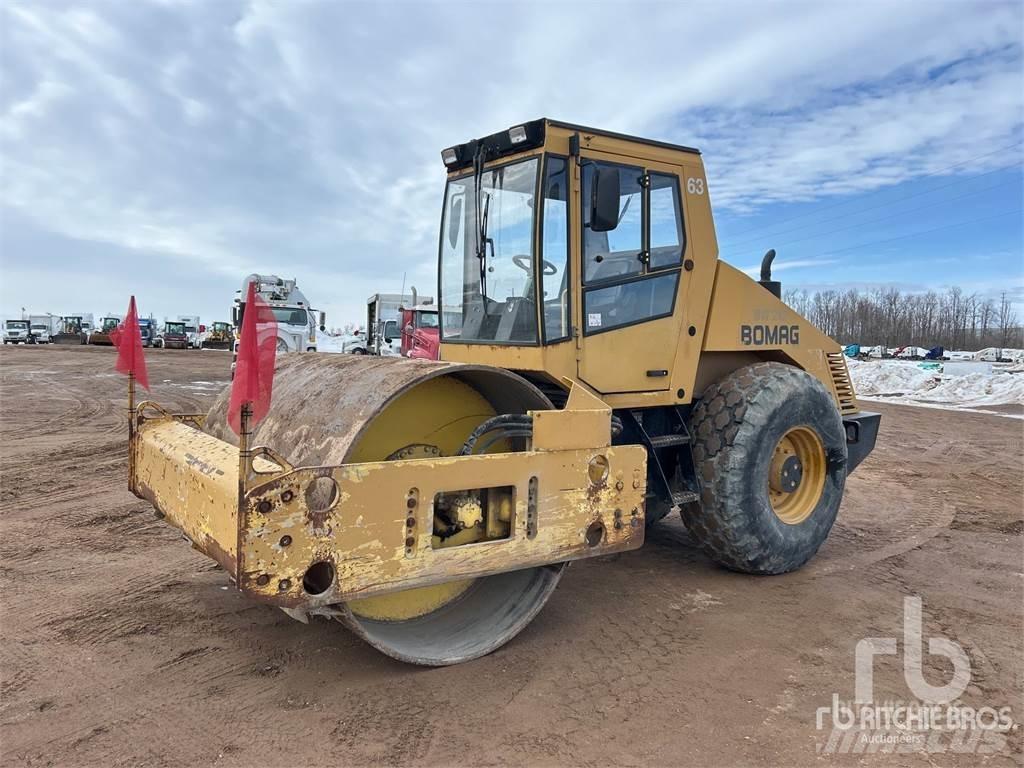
x: 244, y: 455
x: 131, y: 403
x: 131, y: 430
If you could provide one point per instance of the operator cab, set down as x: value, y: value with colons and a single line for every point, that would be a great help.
x: 562, y: 239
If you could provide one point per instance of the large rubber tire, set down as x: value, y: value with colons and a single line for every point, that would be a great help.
x: 736, y: 427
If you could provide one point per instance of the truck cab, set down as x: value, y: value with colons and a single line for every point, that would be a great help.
x: 420, y: 326
x: 18, y: 332
x: 43, y: 327
x: 297, y: 322
x: 41, y: 332
x: 147, y: 330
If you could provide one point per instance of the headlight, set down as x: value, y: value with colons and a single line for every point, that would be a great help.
x: 518, y: 134
x: 449, y: 156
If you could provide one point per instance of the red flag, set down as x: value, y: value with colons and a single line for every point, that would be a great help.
x: 128, y: 340
x: 254, y: 368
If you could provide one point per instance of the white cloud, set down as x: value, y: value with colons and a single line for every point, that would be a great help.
x: 304, y: 138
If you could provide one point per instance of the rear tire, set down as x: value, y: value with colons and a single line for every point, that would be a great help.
x: 745, y: 427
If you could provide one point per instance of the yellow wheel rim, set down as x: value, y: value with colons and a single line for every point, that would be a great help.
x: 796, y: 475
x: 436, y: 415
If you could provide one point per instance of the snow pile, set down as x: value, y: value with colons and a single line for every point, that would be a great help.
x: 889, y: 378
x: 912, y: 384
x: 974, y: 389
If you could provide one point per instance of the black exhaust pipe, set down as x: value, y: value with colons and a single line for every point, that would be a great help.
x: 774, y: 286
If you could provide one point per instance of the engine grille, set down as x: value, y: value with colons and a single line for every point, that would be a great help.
x: 843, y: 384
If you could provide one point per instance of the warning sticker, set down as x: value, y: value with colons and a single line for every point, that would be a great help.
x: 594, y: 320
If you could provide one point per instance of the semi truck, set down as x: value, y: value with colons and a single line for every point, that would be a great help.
x: 297, y: 321
x: 147, y: 330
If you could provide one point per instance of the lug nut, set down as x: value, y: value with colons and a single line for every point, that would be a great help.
x: 262, y: 580
x: 264, y: 506
x: 284, y: 585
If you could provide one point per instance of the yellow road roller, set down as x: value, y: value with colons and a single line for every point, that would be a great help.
x: 600, y: 368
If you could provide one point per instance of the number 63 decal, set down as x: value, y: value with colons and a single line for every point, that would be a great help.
x: 695, y: 186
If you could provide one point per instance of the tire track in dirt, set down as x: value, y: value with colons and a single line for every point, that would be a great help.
x: 119, y: 645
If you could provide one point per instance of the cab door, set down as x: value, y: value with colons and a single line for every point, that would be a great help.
x: 629, y: 319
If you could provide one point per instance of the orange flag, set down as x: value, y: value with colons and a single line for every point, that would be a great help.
x: 257, y: 354
x: 128, y: 339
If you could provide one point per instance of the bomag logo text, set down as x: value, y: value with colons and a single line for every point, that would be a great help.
x: 769, y: 335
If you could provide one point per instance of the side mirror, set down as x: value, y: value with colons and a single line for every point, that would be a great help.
x: 604, y: 200
x: 323, y: 321
x: 455, y: 222
x: 234, y: 316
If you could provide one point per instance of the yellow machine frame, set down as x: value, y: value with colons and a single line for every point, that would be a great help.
x: 256, y: 515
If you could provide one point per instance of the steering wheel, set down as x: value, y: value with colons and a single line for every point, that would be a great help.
x: 525, y: 263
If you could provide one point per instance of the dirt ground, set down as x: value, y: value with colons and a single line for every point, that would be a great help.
x: 122, y: 646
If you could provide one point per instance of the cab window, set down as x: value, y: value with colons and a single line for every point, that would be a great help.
x: 555, y: 249
x: 631, y: 273
x: 627, y: 303
x: 614, y: 254
x: 667, y: 235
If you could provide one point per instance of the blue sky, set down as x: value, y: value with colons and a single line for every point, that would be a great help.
x: 168, y: 148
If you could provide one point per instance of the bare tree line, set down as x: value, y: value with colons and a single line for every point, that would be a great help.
x: 953, y: 319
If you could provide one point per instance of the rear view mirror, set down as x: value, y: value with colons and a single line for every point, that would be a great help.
x: 454, y: 222
x: 604, y: 200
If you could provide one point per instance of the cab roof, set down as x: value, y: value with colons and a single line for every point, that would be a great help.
x: 533, y: 134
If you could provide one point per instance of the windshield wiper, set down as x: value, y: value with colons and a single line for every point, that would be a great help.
x: 481, y: 247
x: 483, y: 206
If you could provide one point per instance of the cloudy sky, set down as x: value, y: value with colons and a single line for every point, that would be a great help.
x: 168, y: 148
